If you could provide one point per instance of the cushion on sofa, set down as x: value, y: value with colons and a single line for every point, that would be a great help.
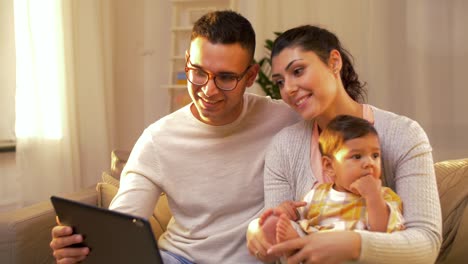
x: 106, y: 193
x: 107, y: 178
x: 452, y: 182
x: 118, y: 160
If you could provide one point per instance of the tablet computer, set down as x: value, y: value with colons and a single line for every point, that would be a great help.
x: 113, y: 237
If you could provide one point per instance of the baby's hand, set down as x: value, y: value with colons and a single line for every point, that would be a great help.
x: 367, y: 186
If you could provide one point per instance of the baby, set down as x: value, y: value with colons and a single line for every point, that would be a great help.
x: 355, y: 199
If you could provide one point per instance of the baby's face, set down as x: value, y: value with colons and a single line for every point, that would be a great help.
x: 357, y: 158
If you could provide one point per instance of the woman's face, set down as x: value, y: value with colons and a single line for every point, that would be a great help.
x: 306, y: 83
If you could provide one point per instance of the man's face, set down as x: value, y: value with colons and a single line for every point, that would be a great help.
x: 210, y: 104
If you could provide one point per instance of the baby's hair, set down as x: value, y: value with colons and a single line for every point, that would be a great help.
x: 341, y: 129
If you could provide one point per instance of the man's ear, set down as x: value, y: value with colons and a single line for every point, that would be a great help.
x: 327, y: 167
x: 251, y: 75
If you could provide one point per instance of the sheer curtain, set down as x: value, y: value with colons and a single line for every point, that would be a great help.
x: 412, y: 54
x: 63, y: 109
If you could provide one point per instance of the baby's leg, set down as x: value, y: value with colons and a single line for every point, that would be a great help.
x: 285, y: 229
x: 268, y: 223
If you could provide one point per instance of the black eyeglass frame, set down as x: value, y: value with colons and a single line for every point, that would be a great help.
x: 212, y: 76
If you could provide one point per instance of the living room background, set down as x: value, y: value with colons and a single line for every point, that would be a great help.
x: 116, y: 58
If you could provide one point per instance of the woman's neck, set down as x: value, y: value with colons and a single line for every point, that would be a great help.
x: 345, y: 105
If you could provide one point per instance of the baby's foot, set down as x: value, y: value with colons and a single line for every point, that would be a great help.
x: 267, y: 213
x: 285, y: 230
x: 268, y: 223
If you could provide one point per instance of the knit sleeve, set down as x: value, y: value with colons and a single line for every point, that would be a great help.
x: 136, y: 183
x: 408, y: 157
x: 277, y: 185
x: 288, y: 174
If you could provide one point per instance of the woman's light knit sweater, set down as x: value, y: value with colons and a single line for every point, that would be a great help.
x: 407, y: 168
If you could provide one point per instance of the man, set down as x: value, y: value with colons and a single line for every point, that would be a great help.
x: 207, y: 157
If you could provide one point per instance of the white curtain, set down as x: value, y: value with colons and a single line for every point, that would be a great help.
x: 411, y: 53
x: 63, y: 114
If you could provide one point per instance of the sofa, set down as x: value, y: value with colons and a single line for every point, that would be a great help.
x: 25, y: 232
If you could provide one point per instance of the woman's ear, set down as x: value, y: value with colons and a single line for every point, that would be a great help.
x: 327, y: 167
x: 335, y: 62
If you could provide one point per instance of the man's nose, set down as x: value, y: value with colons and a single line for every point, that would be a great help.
x: 210, y: 89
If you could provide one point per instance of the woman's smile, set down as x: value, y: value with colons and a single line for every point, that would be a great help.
x: 302, y: 101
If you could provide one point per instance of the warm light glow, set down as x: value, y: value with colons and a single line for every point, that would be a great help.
x: 40, y: 69
x: 339, y: 155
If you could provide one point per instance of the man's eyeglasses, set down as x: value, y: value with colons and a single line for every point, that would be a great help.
x: 224, y: 81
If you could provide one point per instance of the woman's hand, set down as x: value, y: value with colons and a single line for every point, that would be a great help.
x: 257, y: 244
x: 323, y: 247
x: 62, y: 239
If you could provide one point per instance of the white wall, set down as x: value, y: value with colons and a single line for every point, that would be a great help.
x: 141, y: 36
x: 413, y: 63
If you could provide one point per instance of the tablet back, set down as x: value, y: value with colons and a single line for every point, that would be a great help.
x: 113, y: 237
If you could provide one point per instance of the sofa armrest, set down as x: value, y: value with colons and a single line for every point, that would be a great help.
x: 25, y: 233
x: 458, y: 253
x: 452, y: 182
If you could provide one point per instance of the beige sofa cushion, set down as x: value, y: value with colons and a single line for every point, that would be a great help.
x: 107, y: 178
x: 452, y: 182
x: 118, y: 160
x: 106, y: 193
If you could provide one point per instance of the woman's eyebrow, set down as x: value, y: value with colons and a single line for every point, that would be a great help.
x: 285, y: 68
x: 290, y: 63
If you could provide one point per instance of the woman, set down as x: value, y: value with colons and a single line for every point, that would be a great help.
x: 316, y: 78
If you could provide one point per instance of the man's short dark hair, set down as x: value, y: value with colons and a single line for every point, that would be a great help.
x: 225, y: 27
